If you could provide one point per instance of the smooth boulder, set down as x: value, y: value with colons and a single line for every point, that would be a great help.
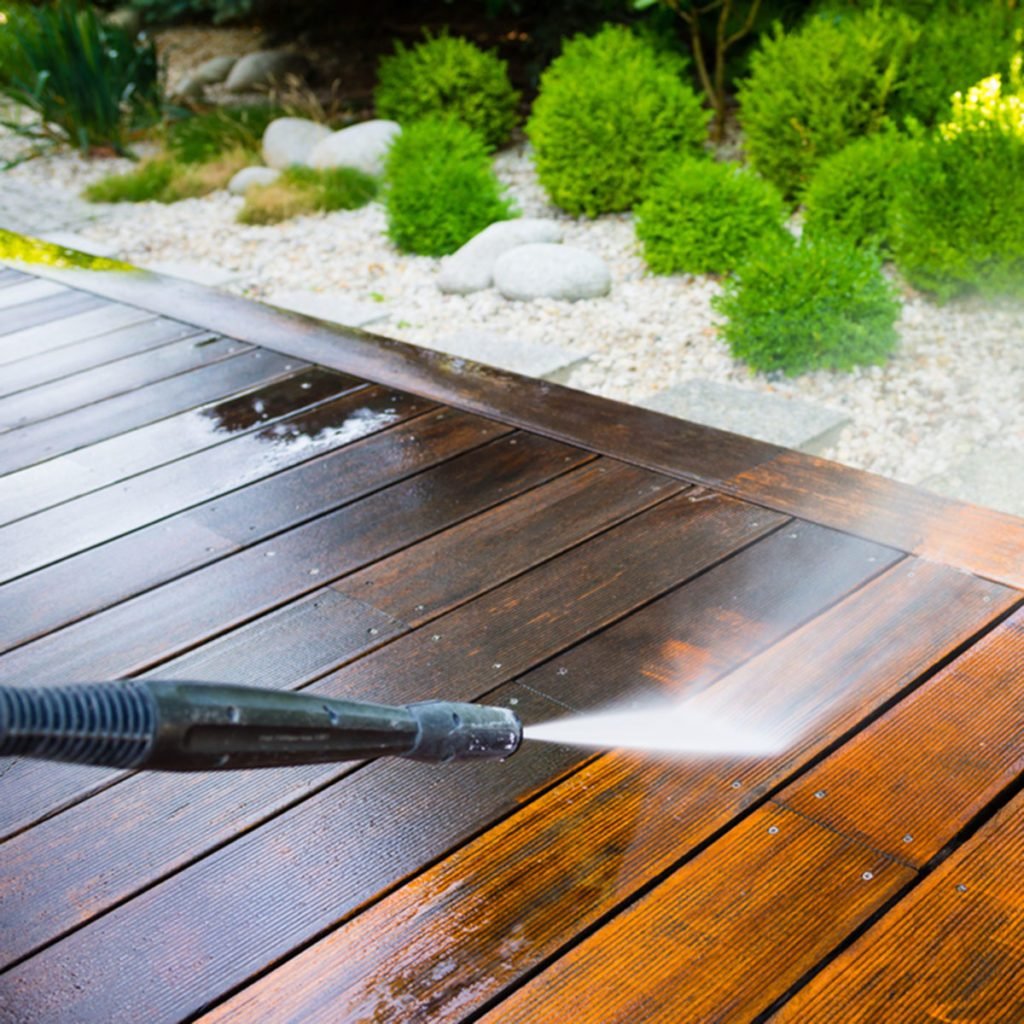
x: 362, y: 146
x: 290, y: 140
x: 547, y: 271
x: 471, y: 268
x: 264, y: 68
x: 214, y: 70
x: 249, y: 176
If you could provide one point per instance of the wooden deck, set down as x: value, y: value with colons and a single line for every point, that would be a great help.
x: 194, y: 486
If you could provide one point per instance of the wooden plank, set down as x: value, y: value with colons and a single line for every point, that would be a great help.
x: 114, y: 345
x: 151, y: 496
x: 9, y: 277
x: 983, y: 541
x: 30, y: 290
x: 433, y: 577
x: 35, y: 341
x: 88, y: 469
x: 724, y: 935
x: 96, y: 579
x: 919, y: 775
x: 103, y: 382
x: 50, y: 438
x: 390, y: 817
x: 950, y: 951
x: 49, y: 311
x: 469, y: 928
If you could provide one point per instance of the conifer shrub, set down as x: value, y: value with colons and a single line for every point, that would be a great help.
x: 448, y: 76
x: 611, y: 109
x: 813, y: 91
x: 958, y: 210
x: 440, y: 189
x: 304, y: 190
x: 701, y: 217
x: 851, y: 193
x: 818, y: 304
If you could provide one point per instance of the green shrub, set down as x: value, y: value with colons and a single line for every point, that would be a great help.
x: 304, y: 190
x: 611, y: 109
x: 91, y: 84
x: 164, y: 12
x: 165, y: 180
x: 811, y: 305
x: 958, y: 212
x: 448, y: 76
x: 204, y: 137
x: 440, y: 189
x: 852, y: 191
x: 701, y: 217
x: 812, y: 92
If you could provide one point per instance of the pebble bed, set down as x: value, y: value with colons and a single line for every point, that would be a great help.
x: 955, y: 385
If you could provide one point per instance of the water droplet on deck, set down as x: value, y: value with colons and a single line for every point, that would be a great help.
x: 773, y: 829
x: 820, y: 795
x: 420, y: 608
x: 373, y: 631
x: 513, y: 700
x: 436, y: 637
x: 961, y: 888
x: 269, y: 554
x: 563, y: 671
x: 314, y: 572
x: 908, y: 838
x: 868, y: 875
x: 497, y: 664
x: 736, y: 784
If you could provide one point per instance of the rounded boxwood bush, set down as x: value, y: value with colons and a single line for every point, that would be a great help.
x: 812, y: 92
x: 440, y: 189
x: 446, y: 75
x: 958, y: 211
x: 852, y: 191
x: 701, y: 217
x: 610, y: 110
x: 819, y: 304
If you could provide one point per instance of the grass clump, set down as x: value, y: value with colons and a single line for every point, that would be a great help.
x: 611, y: 109
x: 166, y: 180
x: 701, y: 217
x: 440, y: 189
x: 202, y: 138
x: 448, y: 76
x: 304, y: 190
x: 818, y: 304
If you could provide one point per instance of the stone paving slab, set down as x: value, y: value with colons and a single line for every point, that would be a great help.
x: 199, y: 273
x: 31, y: 210
x: 530, y: 358
x: 993, y: 477
x: 336, y: 309
x: 789, y: 422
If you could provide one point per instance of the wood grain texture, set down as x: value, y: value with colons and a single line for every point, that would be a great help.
x: 915, y: 778
x: 981, y: 540
x: 950, y: 951
x: 102, y: 576
x: 48, y: 311
x: 29, y: 290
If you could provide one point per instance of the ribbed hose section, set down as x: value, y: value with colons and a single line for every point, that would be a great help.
x: 110, y: 724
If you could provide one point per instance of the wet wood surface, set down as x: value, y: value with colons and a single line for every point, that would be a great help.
x: 196, y: 487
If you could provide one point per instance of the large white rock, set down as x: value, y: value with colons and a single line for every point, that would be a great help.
x: 290, y: 140
x: 249, y: 176
x: 471, y: 268
x: 263, y: 68
x: 362, y: 146
x: 547, y: 271
x: 214, y: 70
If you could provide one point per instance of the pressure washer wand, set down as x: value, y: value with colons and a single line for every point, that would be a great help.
x: 186, y: 726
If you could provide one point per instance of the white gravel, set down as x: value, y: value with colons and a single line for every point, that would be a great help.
x: 955, y: 385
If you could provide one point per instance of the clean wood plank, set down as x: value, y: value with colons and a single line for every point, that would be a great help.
x: 88, y: 469
x: 980, y: 540
x: 724, y: 935
x: 950, y: 951
x: 389, y: 808
x: 61, y: 434
x: 114, y: 345
x: 93, y: 323
x: 122, y: 568
x: 9, y: 277
x: 49, y: 311
x: 910, y: 783
x: 29, y: 290
x: 470, y: 927
x: 103, y: 382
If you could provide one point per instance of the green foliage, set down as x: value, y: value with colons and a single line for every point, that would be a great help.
x: 958, y: 212
x: 440, y: 189
x: 166, y: 180
x: 611, y: 110
x: 91, y: 84
x: 702, y: 217
x: 204, y: 137
x: 448, y: 76
x: 304, y: 190
x: 812, y: 92
x: 817, y: 304
x: 164, y: 12
x: 852, y: 191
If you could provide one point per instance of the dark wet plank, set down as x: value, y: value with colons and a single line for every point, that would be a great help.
x: 80, y: 427
x: 114, y: 345
x: 948, y: 951
x: 388, y: 808
x: 120, y: 569
x: 93, y: 323
x: 29, y: 290
x: 514, y: 897
x: 95, y: 385
x: 917, y: 777
x: 46, y: 311
x: 88, y: 469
